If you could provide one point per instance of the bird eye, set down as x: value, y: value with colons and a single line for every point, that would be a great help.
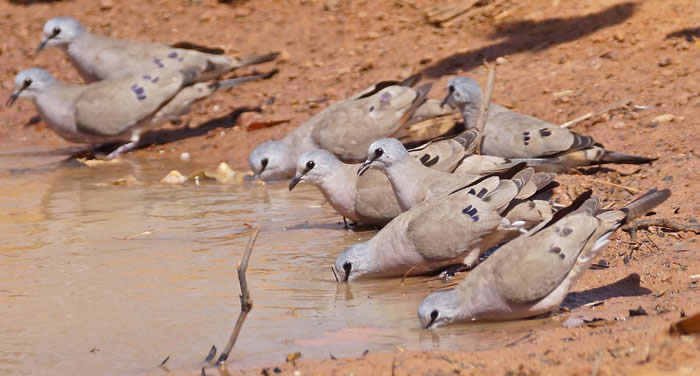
x: 378, y: 152
x: 263, y: 162
x: 434, y: 315
x: 310, y: 165
x: 56, y: 30
x: 371, y: 108
x: 27, y: 82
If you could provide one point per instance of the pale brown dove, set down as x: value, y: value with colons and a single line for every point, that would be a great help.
x: 348, y: 127
x: 509, y: 134
x: 413, y: 183
x: 369, y: 198
x: 446, y: 230
x: 99, y: 57
x: 533, y: 273
x: 113, y: 111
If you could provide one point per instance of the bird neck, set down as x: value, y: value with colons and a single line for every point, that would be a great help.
x: 470, y: 113
x: 407, y: 192
x: 340, y: 190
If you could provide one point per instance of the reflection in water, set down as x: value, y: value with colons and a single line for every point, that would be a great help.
x: 105, y: 279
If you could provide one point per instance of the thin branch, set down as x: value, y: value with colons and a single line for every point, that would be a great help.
x: 246, y: 301
x: 629, y: 189
x: 591, y: 114
x: 484, y: 111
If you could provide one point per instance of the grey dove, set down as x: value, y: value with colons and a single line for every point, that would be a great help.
x: 413, y: 183
x: 113, y: 111
x: 346, y: 128
x: 533, y: 273
x: 369, y: 199
x: 447, y: 230
x: 99, y: 57
x: 509, y: 134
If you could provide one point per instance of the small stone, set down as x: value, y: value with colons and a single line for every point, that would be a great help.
x: 619, y: 125
x: 668, y: 178
x: 618, y: 36
x: 174, y: 177
x: 665, y: 62
x: 372, y: 35
x: 425, y: 60
x: 665, y: 118
x: 106, y: 5
x: 185, y: 156
x: 501, y: 60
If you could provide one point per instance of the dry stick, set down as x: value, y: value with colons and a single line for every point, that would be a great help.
x: 246, y: 302
x: 484, y: 111
x: 406, y: 274
x: 629, y: 189
x: 591, y: 114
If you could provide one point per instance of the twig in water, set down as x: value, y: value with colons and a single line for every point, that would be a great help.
x: 164, y: 361
x: 407, y: 272
x: 591, y: 114
x: 246, y: 301
x: 335, y: 275
x: 484, y: 111
x: 628, y: 189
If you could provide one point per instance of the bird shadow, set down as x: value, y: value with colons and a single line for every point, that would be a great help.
x: 689, y: 34
x: 528, y: 35
x: 165, y: 136
x: 628, y: 286
x: 30, y: 2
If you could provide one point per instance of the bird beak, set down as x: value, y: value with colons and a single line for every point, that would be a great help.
x: 13, y: 97
x: 296, y: 180
x: 430, y: 324
x: 42, y: 44
x: 365, y: 166
x: 444, y: 101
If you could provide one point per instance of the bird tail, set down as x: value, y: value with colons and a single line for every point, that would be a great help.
x: 245, y: 61
x: 645, y: 203
x: 227, y: 84
x: 614, y: 157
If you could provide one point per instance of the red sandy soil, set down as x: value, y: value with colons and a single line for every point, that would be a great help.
x: 563, y: 59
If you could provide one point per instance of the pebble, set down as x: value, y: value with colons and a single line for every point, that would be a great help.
x: 106, y: 5
x: 185, y: 156
x: 665, y: 118
x: 501, y: 60
x: 174, y: 177
x: 665, y: 62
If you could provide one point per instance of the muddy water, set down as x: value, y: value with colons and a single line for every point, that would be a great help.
x: 100, y: 278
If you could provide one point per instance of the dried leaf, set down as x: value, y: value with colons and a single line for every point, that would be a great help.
x: 255, y: 124
x: 98, y: 162
x: 689, y: 325
x: 127, y: 180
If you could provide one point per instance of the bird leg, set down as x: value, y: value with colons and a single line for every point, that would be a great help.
x: 126, y: 147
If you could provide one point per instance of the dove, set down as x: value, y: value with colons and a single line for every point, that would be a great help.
x: 509, y: 134
x: 99, y: 57
x: 533, y: 273
x: 346, y: 128
x: 414, y: 183
x: 113, y: 111
x: 369, y: 199
x: 446, y: 230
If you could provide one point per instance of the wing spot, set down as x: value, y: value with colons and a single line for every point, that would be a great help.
x: 566, y: 231
x: 545, y: 132
x: 555, y: 250
x: 472, y: 212
x: 427, y: 162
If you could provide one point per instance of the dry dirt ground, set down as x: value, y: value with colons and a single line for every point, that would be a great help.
x: 562, y: 59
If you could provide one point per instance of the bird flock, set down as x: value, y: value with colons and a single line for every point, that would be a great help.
x: 439, y: 205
